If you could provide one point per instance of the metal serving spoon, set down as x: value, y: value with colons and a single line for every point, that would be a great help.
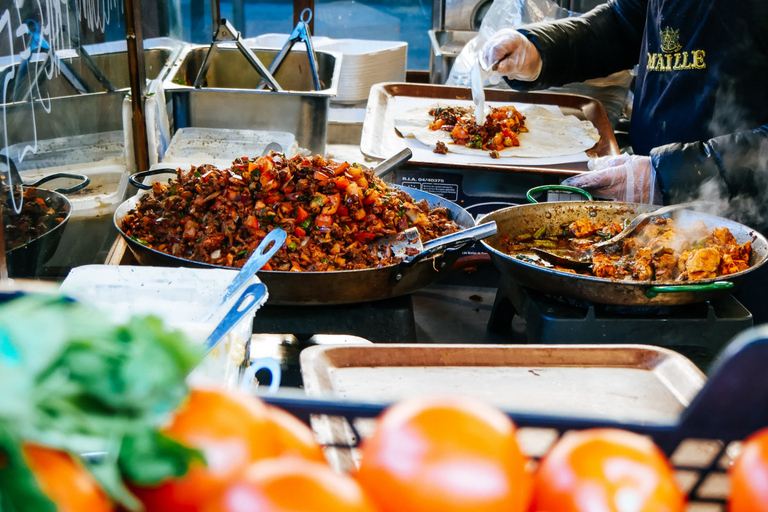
x: 563, y: 259
x: 640, y: 220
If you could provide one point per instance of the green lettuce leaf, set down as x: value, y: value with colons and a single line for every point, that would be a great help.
x: 72, y: 380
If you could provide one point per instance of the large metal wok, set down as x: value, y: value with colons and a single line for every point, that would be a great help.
x: 516, y: 220
x: 25, y: 260
x: 335, y: 287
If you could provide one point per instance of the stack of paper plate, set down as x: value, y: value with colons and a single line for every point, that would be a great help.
x: 366, y: 63
x: 363, y: 62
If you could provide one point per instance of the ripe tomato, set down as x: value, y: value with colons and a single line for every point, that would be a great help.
x: 292, y: 437
x: 444, y: 454
x: 749, y: 476
x: 288, y: 484
x: 233, y: 430
x: 608, y: 470
x: 67, y: 483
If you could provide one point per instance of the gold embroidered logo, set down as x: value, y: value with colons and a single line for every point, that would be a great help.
x: 670, y: 40
x: 672, y: 59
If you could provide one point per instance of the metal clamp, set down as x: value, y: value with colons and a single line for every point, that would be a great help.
x: 300, y: 33
x: 226, y: 32
x: 455, y: 241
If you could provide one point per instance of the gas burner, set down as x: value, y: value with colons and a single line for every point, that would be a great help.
x: 555, y: 319
x: 696, y: 310
x: 608, y: 308
x: 381, y: 321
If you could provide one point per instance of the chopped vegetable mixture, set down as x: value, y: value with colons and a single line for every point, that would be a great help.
x: 500, y: 130
x: 332, y: 212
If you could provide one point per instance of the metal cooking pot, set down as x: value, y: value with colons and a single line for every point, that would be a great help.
x: 517, y: 220
x: 25, y: 260
x: 334, y: 287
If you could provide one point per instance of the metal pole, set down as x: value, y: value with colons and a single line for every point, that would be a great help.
x: 215, y: 15
x: 238, y: 16
x: 298, y: 7
x: 135, y: 40
x: 438, y: 14
x: 3, y: 262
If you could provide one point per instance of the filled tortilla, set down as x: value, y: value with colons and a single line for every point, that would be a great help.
x: 549, y: 134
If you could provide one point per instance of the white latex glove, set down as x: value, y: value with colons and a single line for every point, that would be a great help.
x: 629, y: 178
x: 518, y: 58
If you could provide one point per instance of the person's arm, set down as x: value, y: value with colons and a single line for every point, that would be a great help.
x: 730, y: 167
x: 737, y: 162
x: 604, y: 40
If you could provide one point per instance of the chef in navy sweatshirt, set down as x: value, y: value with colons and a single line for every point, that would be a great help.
x: 700, y: 112
x: 699, y: 126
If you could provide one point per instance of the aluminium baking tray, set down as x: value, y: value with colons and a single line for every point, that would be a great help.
x: 380, y: 140
x: 625, y: 383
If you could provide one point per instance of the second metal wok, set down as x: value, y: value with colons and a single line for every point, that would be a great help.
x: 517, y: 220
x: 25, y: 260
x: 335, y: 287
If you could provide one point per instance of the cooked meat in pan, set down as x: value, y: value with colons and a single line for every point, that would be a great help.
x: 659, y: 252
x: 35, y: 219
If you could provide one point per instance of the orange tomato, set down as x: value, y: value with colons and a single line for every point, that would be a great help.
x: 68, y: 484
x: 292, y: 436
x: 606, y: 469
x: 749, y: 476
x: 289, y: 484
x: 233, y: 430
x: 446, y: 455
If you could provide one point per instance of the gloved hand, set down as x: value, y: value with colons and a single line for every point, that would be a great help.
x: 518, y: 58
x: 629, y: 178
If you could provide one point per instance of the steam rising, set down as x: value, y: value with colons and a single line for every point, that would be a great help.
x: 742, y: 208
x: 745, y: 162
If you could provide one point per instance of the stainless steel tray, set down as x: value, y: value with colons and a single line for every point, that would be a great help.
x: 231, y: 99
x: 110, y: 58
x: 627, y: 383
x: 380, y: 139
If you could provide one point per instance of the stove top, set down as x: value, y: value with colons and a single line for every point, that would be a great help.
x: 551, y: 319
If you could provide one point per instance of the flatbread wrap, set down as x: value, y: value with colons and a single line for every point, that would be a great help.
x: 549, y: 134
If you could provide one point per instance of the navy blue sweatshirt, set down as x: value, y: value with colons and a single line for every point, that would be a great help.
x: 701, y: 94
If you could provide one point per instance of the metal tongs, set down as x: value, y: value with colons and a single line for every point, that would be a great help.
x: 300, y: 33
x: 226, y: 32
